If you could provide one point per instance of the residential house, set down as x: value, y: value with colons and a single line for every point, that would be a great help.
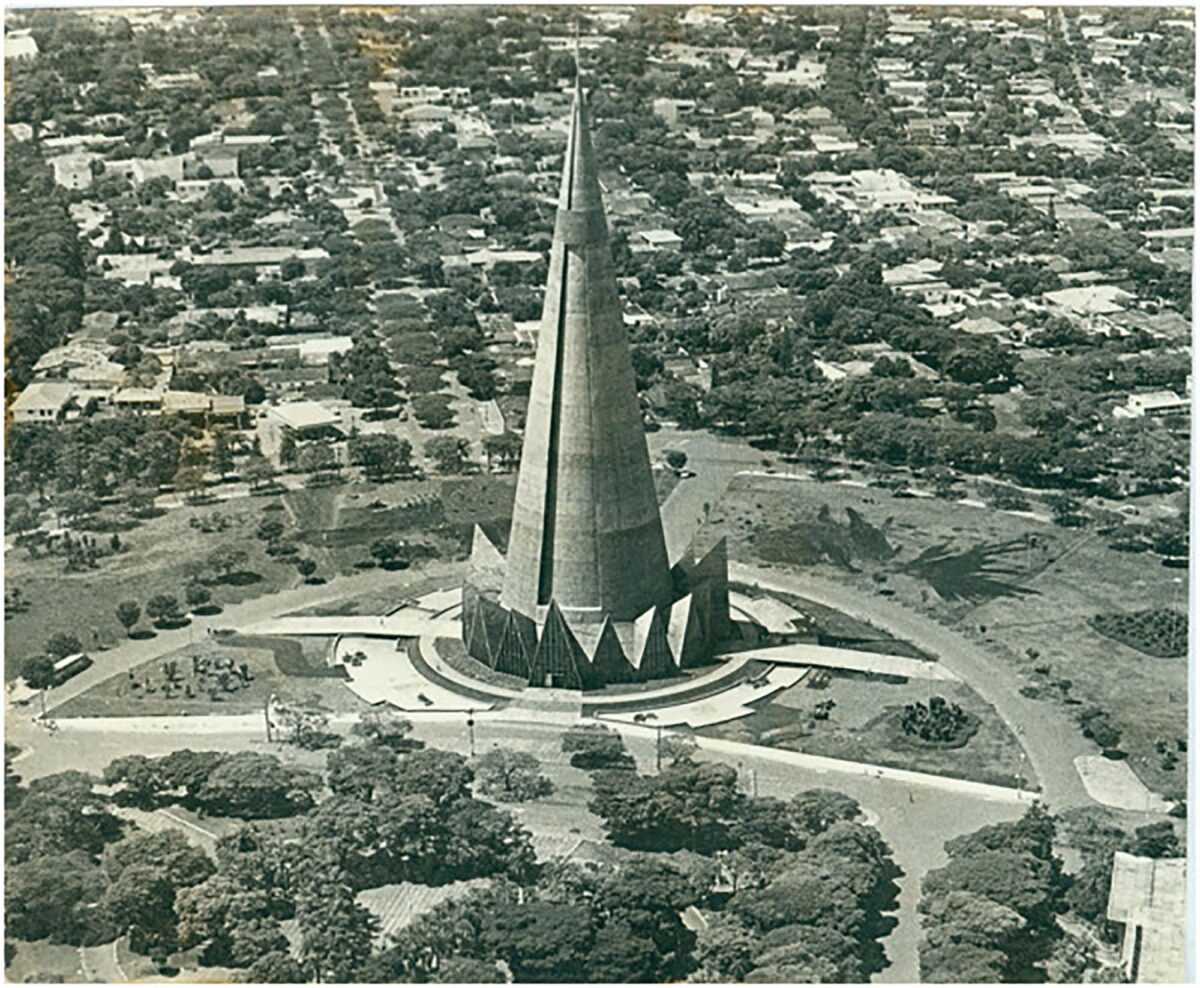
x: 1153, y: 404
x: 43, y: 402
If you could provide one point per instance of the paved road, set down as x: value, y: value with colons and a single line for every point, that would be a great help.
x: 715, y: 462
x: 133, y: 652
x: 915, y: 820
x: 1050, y: 739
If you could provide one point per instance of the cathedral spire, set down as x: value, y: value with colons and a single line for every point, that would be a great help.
x: 586, y: 532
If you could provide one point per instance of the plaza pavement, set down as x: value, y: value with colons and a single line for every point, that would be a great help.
x: 876, y: 663
x: 388, y: 675
x: 727, y: 705
x: 1115, y: 784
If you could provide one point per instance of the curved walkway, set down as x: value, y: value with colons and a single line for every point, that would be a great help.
x: 1051, y: 741
x: 133, y: 652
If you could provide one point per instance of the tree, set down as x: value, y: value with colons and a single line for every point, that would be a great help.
x: 383, y: 727
x: 381, y: 456
x: 541, y: 941
x: 222, y: 454
x: 141, y: 900
x: 724, y: 949
x: 275, y: 968
x: 62, y: 644
x: 676, y: 459
x: 677, y: 748
x: 163, y: 609
x: 467, y: 971
x: 451, y: 453
x: 688, y: 805
x: 168, y: 850
x: 129, y: 612
x: 358, y: 770
x: 512, y: 776
x: 197, y: 595
x: 316, y: 458
x: 138, y: 775
x: 269, y: 529
x: 390, y: 552
x: 335, y: 932
x: 595, y: 746
x: 225, y: 559
x: 55, y: 896
x: 59, y: 813
x: 503, y: 450
x: 433, y: 411
x: 820, y: 809
x: 255, y: 786
x: 306, y: 568
x: 257, y: 471
x: 38, y: 672
x: 234, y: 922
x: 441, y: 776
x: 1064, y: 508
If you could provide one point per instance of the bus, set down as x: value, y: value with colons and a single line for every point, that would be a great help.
x: 71, y: 665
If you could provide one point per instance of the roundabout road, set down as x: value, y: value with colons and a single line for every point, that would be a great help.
x: 1050, y: 739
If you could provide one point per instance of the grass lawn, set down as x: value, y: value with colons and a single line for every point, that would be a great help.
x: 156, y: 560
x: 43, y: 961
x: 1032, y: 587
x: 859, y: 728
x: 289, y: 668
x: 392, y: 592
x: 334, y: 526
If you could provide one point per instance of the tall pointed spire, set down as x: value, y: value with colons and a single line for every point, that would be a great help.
x: 586, y: 531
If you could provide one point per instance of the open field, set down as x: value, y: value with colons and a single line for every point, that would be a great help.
x: 158, y: 558
x: 1025, y: 589
x: 44, y: 962
x: 859, y: 728
x: 334, y: 526
x: 288, y: 668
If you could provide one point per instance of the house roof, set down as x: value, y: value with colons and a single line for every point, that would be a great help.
x: 1151, y: 893
x: 304, y: 415
x: 43, y: 396
x: 1090, y: 299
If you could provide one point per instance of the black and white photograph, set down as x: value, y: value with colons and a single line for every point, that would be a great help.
x: 597, y: 494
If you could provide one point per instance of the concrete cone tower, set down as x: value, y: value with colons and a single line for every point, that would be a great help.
x: 586, y: 531
x: 585, y: 596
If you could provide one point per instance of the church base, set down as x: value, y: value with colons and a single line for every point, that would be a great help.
x: 556, y: 654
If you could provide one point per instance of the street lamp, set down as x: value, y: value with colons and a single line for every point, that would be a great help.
x: 471, y: 729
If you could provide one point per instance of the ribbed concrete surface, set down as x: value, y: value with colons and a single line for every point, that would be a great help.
x: 586, y: 531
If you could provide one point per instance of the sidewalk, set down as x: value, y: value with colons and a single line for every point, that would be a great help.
x: 131, y: 653
x: 823, y: 765
x: 409, y: 622
x: 1049, y: 738
x: 858, y: 661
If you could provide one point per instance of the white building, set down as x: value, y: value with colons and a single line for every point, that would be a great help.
x: 1148, y: 898
x: 1153, y: 404
x: 43, y: 402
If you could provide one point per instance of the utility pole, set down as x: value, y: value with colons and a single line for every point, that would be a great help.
x: 471, y: 729
x: 658, y: 748
x: 267, y: 715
